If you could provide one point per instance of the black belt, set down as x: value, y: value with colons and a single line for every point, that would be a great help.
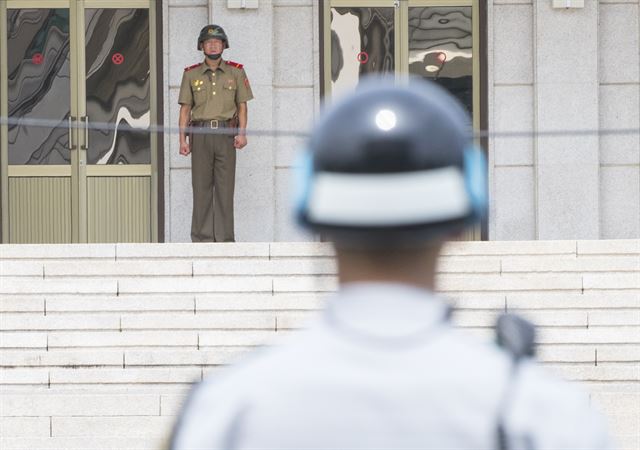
x: 214, y: 123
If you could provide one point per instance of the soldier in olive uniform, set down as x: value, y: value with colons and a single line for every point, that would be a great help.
x: 213, y: 97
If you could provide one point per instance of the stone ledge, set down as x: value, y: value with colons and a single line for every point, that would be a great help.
x: 282, y: 267
x: 609, y: 247
x: 610, y: 372
x: 184, y: 357
x: 109, y: 304
x: 78, y: 443
x: 599, y: 335
x: 543, y: 264
x: 539, y: 318
x: 201, y: 250
x: 200, y: 285
x: 124, y: 376
x: 259, y: 302
x: 560, y: 300
x: 204, y: 321
x: 234, y: 338
x: 117, y: 268
x: 509, y: 282
x: 61, y: 358
x: 124, y: 339
x: 57, y: 251
x: 510, y: 248
x: 49, y: 287
x: 10, y: 304
x: 171, y: 404
x: 21, y: 269
x: 298, y: 249
x: 123, y: 427
x: 469, y: 264
x: 37, y: 322
x: 24, y: 375
x: 23, y: 340
x: 613, y: 281
x: 24, y: 426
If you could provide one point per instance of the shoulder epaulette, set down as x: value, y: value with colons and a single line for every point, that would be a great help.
x: 186, y: 69
x: 235, y: 64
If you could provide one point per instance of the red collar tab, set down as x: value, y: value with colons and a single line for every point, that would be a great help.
x: 234, y: 64
x: 186, y: 69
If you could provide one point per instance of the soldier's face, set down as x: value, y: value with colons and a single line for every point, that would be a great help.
x: 213, y: 46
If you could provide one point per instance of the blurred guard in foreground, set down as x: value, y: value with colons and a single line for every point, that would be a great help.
x: 391, y: 175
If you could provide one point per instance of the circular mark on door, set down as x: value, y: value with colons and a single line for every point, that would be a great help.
x: 117, y: 58
x: 362, y: 57
x: 37, y: 58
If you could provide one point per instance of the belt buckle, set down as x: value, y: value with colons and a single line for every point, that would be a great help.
x: 213, y: 124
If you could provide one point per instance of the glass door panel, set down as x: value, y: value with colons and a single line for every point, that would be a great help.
x: 441, y: 48
x: 116, y: 181
x: 39, y: 91
x: 38, y: 147
x: 117, y: 86
x: 362, y: 42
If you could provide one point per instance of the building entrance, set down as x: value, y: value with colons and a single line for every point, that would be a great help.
x: 77, y: 89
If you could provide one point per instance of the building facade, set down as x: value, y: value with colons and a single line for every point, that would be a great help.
x: 541, y: 78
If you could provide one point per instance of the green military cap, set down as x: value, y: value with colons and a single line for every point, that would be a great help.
x: 212, y: 32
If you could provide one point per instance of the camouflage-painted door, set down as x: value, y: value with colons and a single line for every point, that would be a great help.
x: 78, y: 161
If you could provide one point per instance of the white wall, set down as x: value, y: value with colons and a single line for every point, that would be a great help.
x: 557, y: 69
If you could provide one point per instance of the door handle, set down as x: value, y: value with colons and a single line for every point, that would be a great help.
x: 85, y: 145
x: 72, y: 145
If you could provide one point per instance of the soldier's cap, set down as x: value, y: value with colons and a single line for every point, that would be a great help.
x: 212, y: 32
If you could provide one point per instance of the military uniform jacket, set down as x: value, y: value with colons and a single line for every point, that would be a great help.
x: 214, y: 95
x: 382, y: 368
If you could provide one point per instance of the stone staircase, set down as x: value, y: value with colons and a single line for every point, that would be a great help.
x: 100, y: 343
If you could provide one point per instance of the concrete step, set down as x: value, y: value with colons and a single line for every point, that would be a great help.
x: 110, y: 336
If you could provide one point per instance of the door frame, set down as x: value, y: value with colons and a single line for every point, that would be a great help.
x: 401, y: 48
x: 78, y: 170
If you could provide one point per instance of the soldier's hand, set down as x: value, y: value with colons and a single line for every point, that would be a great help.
x: 184, y: 149
x: 239, y: 141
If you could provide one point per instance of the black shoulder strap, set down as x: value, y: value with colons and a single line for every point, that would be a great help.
x: 517, y: 337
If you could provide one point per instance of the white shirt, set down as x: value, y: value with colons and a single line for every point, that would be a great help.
x: 382, y: 368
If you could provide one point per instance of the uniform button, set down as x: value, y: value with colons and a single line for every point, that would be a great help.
x: 214, y: 84
x: 214, y: 93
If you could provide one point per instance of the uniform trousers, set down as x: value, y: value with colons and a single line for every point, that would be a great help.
x: 213, y: 177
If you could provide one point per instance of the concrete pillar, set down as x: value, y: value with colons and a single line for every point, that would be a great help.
x: 512, y: 174
x: 619, y: 61
x: 566, y: 98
